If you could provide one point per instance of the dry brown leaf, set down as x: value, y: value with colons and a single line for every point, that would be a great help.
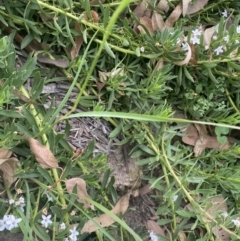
x: 182, y: 236
x: 157, y: 22
x: 94, y: 16
x: 221, y: 234
x: 105, y: 220
x: 147, y: 23
x: 187, y: 58
x: 185, y: 4
x: 153, y: 226
x: 9, y: 168
x: 174, y: 16
x: 140, y: 9
x: 163, y: 5
x: 4, y: 154
x: 42, y: 154
x: 207, y: 35
x: 196, y: 6
x: 145, y: 189
x: 78, y: 42
x: 81, y: 191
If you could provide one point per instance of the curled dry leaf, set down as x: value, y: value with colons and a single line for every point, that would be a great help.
x: 221, y: 234
x: 153, y: 226
x: 62, y: 63
x: 174, y: 16
x: 78, y: 42
x: 187, y: 58
x: 8, y: 167
x: 196, y: 6
x: 42, y: 154
x: 147, y: 23
x: 81, y: 191
x: 105, y: 220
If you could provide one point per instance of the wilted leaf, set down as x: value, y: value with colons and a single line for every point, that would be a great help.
x: 153, y: 226
x: 42, y: 154
x: 9, y: 167
x: 182, y: 236
x: 174, y: 16
x: 81, y: 191
x: 157, y: 22
x: 94, y: 16
x: 196, y: 6
x: 147, y: 23
x: 145, y: 189
x: 105, y: 220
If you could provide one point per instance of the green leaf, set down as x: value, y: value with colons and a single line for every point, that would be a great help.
x: 28, y: 38
x: 37, y: 86
x: 148, y: 160
x: 109, y: 50
x: 45, y: 175
x: 57, y: 211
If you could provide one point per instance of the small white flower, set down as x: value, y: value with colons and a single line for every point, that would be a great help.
x: 184, y: 46
x: 226, y: 38
x: 46, y: 220
x: 175, y: 197
x: 219, y: 50
x: 225, y: 13
x: 50, y: 199
x: 74, y: 234
x: 11, y: 201
x: 196, y: 32
x: 62, y: 226
x: 22, y: 205
x: 195, y: 39
x: 9, y: 222
x: 236, y: 41
x: 142, y: 49
x: 236, y: 222
x: 214, y: 37
x: 21, y: 199
x: 238, y: 29
x: 224, y: 214
x: 153, y: 236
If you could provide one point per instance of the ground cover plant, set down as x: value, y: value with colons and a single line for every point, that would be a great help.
x: 164, y: 74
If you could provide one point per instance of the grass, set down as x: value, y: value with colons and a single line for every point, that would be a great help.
x: 138, y: 77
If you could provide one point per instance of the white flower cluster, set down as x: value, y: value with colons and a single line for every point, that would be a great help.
x: 9, y: 222
x: 236, y: 222
x: 18, y: 203
x: 195, y: 38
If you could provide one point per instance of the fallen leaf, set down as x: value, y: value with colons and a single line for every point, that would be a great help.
x: 81, y: 191
x: 157, y: 22
x: 140, y: 9
x: 94, y: 16
x: 8, y: 167
x: 153, y: 226
x: 182, y: 236
x: 221, y: 234
x: 207, y: 35
x: 185, y: 4
x: 42, y: 154
x: 163, y: 5
x: 196, y: 6
x: 187, y: 58
x: 174, y: 16
x: 145, y: 189
x: 105, y: 220
x: 62, y: 63
x: 78, y: 43
x: 5, y: 153
x: 147, y: 23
